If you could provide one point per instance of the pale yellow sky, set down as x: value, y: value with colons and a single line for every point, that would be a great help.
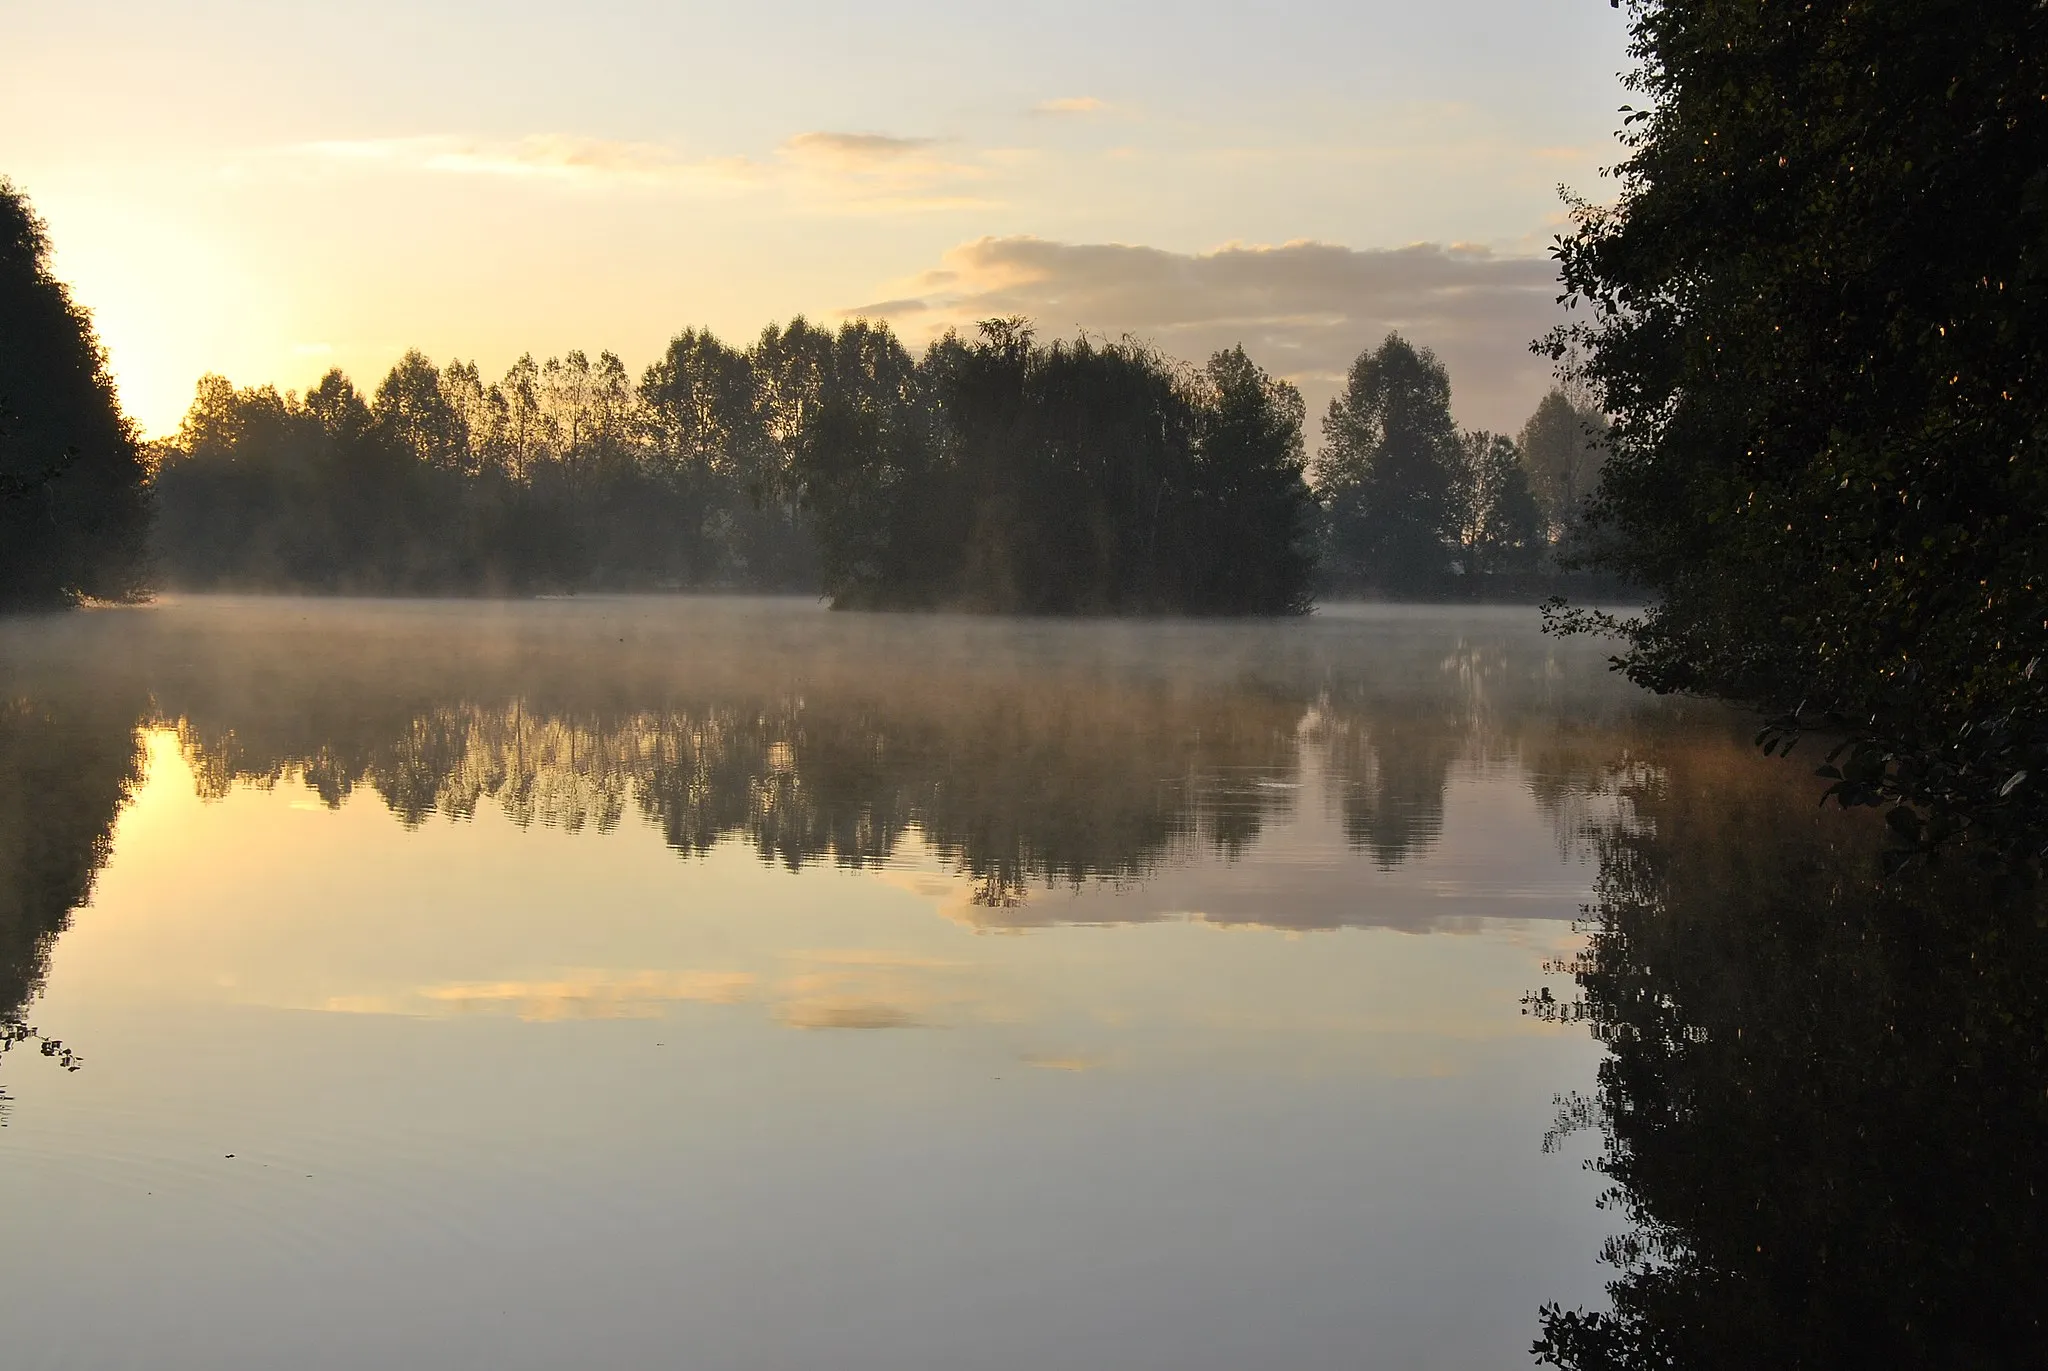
x: 266, y: 193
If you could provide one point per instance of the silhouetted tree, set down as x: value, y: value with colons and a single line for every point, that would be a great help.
x: 1003, y: 474
x: 705, y: 433
x: 1253, y: 549
x: 1388, y: 469
x: 1501, y: 526
x: 414, y: 412
x: 1564, y: 448
x: 997, y: 474
x: 74, y: 506
x: 1818, y: 315
x: 844, y: 417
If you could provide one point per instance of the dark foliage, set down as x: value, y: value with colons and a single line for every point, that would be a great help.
x: 67, y: 766
x: 1819, y: 319
x: 1413, y: 507
x: 998, y: 474
x: 74, y: 509
x: 1501, y: 525
x: 561, y: 476
x: 1388, y: 473
x: 1004, y: 474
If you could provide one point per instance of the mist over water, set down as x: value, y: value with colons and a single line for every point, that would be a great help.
x: 613, y: 981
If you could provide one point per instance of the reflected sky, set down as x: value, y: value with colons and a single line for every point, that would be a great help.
x: 728, y: 983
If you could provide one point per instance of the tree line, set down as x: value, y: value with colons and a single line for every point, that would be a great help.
x: 995, y: 472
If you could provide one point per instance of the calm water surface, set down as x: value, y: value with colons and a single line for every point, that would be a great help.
x: 724, y: 983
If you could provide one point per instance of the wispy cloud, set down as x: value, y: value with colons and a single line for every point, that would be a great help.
x: 873, y: 173
x: 1304, y: 310
x: 1072, y: 104
x: 820, y: 170
x: 853, y: 149
x: 549, y: 156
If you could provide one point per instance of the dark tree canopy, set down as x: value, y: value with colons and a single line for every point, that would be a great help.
x: 1501, y: 523
x: 1102, y: 478
x: 1564, y: 446
x: 1389, y: 471
x: 74, y: 506
x: 563, y: 475
x: 996, y: 473
x: 1076, y: 477
x: 1251, y: 494
x: 1819, y: 317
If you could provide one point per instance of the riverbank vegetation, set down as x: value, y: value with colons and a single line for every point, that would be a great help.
x: 1818, y: 317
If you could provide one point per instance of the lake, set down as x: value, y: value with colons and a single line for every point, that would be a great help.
x: 726, y: 983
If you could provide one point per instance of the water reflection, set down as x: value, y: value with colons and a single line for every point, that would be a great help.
x: 66, y: 768
x: 1055, y: 756
x: 1825, y: 1108
x: 1822, y: 1103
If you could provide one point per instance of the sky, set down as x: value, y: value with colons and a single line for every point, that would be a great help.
x: 267, y: 190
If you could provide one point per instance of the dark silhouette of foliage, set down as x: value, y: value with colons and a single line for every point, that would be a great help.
x: 1388, y: 472
x: 706, y: 440
x: 1825, y: 1102
x: 1501, y: 527
x: 74, y: 507
x: 1071, y: 478
x: 1819, y: 319
x: 70, y: 757
x: 1254, y: 514
x: 1564, y: 446
x: 564, y: 475
x: 996, y: 473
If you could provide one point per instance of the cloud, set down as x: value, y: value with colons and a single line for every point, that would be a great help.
x: 853, y: 149
x: 873, y: 172
x: 548, y: 156
x: 1072, y: 104
x: 818, y: 171
x: 1303, y: 310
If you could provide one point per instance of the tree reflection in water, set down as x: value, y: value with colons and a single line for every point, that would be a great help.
x: 1047, y: 755
x: 67, y: 765
x: 1825, y: 1105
